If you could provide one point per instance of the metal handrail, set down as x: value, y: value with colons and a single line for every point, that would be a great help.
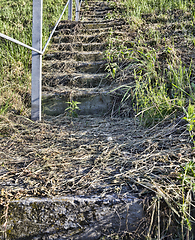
x: 33, y: 49
x: 19, y: 43
x: 37, y: 53
x: 55, y: 27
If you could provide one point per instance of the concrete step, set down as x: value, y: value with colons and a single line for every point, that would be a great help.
x: 96, y: 8
x: 94, y: 101
x: 78, y: 46
x: 74, y: 79
x: 95, y: 12
x: 78, y: 56
x: 85, y: 31
x: 100, y: 37
x: 70, y: 217
x: 90, y: 24
x: 94, y: 18
x: 56, y: 66
x: 89, y: 30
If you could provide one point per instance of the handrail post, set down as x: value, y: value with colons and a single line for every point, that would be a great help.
x: 77, y: 10
x: 36, y: 61
x: 70, y: 10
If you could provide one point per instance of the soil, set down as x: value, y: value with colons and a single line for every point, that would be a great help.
x: 86, y: 155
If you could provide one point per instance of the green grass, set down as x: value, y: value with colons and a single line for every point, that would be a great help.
x: 158, y: 57
x: 15, y: 60
x: 157, y: 78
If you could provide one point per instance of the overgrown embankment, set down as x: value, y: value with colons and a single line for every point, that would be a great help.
x: 158, y: 56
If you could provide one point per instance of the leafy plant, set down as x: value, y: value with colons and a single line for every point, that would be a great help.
x: 72, y: 108
x: 190, y: 118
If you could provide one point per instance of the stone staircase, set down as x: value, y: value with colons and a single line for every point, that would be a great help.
x: 74, y: 67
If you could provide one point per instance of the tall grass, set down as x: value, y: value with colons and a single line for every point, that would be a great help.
x: 15, y: 60
x: 162, y: 77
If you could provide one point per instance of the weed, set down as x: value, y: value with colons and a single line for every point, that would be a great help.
x: 190, y: 118
x: 71, y: 109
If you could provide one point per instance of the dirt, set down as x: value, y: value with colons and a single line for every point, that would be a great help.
x: 88, y: 155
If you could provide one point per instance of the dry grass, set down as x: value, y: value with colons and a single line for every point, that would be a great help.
x: 89, y: 156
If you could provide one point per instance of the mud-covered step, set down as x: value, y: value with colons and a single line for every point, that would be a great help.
x: 76, y: 79
x: 57, y: 66
x: 94, y: 18
x: 114, y: 29
x: 100, y: 37
x: 78, y: 46
x: 78, y: 56
x: 96, y: 3
x: 91, y: 31
x: 90, y: 24
x: 64, y: 217
x: 96, y: 13
x: 96, y: 8
x: 93, y: 101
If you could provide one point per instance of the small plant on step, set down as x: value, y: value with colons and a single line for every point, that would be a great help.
x: 190, y: 118
x: 71, y: 109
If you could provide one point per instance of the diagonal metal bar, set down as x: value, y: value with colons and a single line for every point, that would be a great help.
x: 55, y: 27
x: 20, y: 43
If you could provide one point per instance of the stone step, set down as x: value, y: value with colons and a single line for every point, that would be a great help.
x: 71, y: 217
x: 83, y: 30
x: 99, y: 38
x: 94, y: 18
x: 90, y: 24
x: 56, y: 66
x: 74, y: 79
x: 78, y: 46
x: 96, y: 8
x: 95, y: 12
x: 93, y: 101
x: 95, y: 3
x: 78, y: 56
x: 115, y: 30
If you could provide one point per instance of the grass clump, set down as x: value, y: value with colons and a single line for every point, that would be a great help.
x: 15, y: 60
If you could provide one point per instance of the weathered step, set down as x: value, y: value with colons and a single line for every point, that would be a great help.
x: 78, y: 46
x: 96, y: 3
x: 78, y: 56
x: 70, y: 66
x: 82, y: 29
x: 94, y: 101
x: 78, y: 217
x: 114, y: 29
x: 96, y: 8
x: 94, y: 18
x: 100, y: 37
x: 74, y: 79
x: 90, y: 24
x: 102, y: 12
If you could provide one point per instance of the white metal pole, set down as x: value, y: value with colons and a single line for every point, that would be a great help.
x: 36, y: 61
x: 77, y: 10
x: 70, y: 10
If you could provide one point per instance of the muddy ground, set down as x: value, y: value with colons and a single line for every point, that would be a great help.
x: 90, y: 155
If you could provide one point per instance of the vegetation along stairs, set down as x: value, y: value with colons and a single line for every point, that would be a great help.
x: 74, y: 68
